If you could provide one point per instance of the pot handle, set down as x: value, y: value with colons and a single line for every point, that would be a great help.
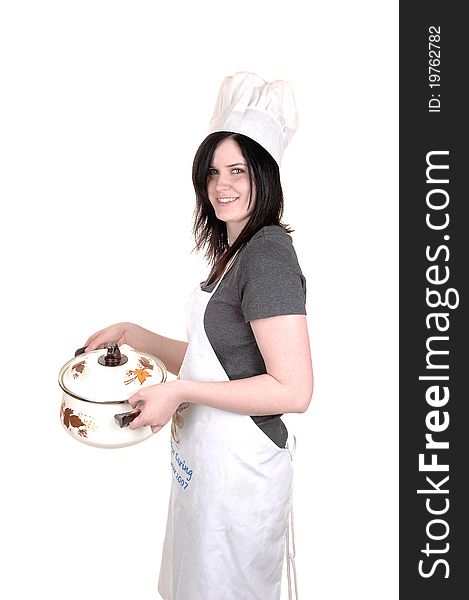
x: 80, y: 350
x: 125, y: 418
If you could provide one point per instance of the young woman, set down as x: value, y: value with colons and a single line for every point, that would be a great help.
x: 247, y: 362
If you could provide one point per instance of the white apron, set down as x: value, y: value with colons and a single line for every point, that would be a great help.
x: 231, y: 493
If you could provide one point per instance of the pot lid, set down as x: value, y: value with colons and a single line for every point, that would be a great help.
x: 111, y: 375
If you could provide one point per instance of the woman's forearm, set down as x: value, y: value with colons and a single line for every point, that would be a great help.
x: 255, y: 396
x: 286, y: 387
x: 170, y: 351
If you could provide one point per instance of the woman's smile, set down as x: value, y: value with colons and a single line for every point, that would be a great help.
x: 226, y: 200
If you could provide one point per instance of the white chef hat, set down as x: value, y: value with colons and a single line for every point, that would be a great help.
x: 263, y: 111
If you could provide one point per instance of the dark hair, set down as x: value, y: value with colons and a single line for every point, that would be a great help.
x: 210, y: 233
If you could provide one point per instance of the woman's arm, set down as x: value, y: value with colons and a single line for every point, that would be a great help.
x: 286, y: 387
x: 170, y: 351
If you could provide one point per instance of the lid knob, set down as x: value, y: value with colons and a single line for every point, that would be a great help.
x: 113, y: 358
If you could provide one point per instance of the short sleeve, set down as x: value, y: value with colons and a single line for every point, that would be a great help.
x: 271, y: 281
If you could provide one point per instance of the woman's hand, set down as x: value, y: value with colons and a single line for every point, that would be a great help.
x: 157, y: 404
x: 120, y: 332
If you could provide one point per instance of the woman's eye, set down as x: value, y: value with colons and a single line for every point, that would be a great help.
x: 235, y: 171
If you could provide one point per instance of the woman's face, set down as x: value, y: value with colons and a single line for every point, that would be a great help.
x: 228, y: 187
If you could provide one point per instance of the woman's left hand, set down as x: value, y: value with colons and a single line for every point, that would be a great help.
x: 157, y: 404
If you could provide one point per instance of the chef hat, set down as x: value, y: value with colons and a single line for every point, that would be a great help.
x: 263, y: 111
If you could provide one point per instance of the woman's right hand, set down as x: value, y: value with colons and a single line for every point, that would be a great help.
x: 119, y: 332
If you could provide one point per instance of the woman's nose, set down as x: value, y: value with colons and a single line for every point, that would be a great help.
x: 223, y: 181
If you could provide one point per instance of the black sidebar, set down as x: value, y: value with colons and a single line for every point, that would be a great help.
x: 434, y: 256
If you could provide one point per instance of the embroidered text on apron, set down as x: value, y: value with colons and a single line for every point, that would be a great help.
x: 231, y: 493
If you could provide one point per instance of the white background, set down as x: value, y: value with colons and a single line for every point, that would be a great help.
x: 103, y: 105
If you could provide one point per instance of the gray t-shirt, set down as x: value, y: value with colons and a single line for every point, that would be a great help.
x: 264, y: 281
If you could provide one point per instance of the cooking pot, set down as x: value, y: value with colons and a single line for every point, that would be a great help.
x: 96, y: 387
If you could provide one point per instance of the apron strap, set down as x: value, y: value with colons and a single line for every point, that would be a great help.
x: 291, y: 446
x: 290, y: 548
x: 291, y: 558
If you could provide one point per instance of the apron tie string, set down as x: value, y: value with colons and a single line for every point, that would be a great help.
x: 291, y: 551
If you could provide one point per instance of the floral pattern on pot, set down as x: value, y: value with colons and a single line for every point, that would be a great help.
x: 178, y: 420
x: 78, y: 423
x: 140, y: 373
x: 79, y: 370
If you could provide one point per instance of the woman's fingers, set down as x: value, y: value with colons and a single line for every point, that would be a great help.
x: 157, y: 404
x: 94, y: 336
x: 95, y: 345
x: 140, y: 422
x: 101, y: 338
x: 95, y: 341
x: 135, y: 400
x: 102, y: 342
x: 137, y: 422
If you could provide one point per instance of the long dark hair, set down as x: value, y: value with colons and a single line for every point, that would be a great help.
x: 209, y: 232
